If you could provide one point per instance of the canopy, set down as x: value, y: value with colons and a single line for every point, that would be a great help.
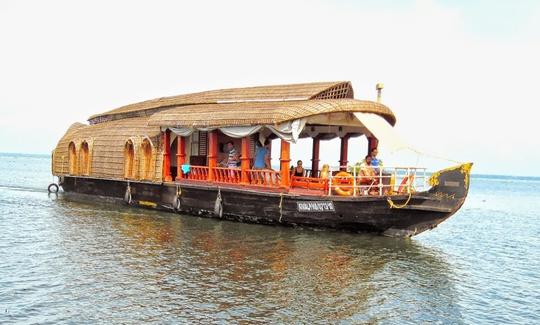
x: 383, y: 131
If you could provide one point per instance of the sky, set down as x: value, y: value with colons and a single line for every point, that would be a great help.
x: 462, y: 77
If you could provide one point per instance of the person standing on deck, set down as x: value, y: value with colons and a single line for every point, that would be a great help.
x: 376, y: 162
x: 233, y: 158
x: 262, y: 156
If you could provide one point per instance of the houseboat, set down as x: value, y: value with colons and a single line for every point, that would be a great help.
x: 168, y: 154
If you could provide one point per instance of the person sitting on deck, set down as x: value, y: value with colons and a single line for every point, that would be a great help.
x: 368, y: 174
x: 298, y: 170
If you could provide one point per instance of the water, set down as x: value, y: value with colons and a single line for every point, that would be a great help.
x: 63, y: 261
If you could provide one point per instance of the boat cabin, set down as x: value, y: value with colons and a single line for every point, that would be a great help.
x: 184, y: 139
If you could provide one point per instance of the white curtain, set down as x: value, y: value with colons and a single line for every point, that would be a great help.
x: 288, y: 131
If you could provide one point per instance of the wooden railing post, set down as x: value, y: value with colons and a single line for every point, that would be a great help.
x: 245, y: 160
x: 167, y: 155
x: 212, y: 153
x: 180, y: 156
x: 285, y: 163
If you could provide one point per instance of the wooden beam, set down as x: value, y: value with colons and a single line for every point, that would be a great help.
x: 285, y: 167
x: 372, y: 144
x: 315, y: 156
x: 166, y: 136
x: 180, y: 156
x: 344, y: 152
x: 245, y: 160
x: 212, y: 153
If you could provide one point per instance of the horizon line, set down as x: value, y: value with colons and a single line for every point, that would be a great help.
x: 472, y: 174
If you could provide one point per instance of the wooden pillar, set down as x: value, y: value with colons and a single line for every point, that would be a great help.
x: 212, y: 153
x: 245, y: 160
x: 180, y: 156
x: 372, y: 144
x: 315, y: 156
x: 344, y: 152
x: 285, y: 163
x: 166, y: 136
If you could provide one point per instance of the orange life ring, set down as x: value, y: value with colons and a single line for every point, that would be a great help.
x: 404, y: 184
x: 344, y: 178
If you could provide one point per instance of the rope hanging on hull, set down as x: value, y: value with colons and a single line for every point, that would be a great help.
x: 394, y: 206
x: 177, y: 203
x: 218, y: 206
x: 127, y: 195
x: 280, y: 206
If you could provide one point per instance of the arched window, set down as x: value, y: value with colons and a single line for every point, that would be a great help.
x: 72, y: 158
x: 129, y: 160
x: 85, y: 161
x: 146, y: 159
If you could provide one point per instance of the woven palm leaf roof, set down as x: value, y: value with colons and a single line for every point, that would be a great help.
x: 317, y: 90
x: 261, y: 113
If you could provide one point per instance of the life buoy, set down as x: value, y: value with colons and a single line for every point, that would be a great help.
x: 53, y: 188
x: 344, y: 178
x: 405, y: 183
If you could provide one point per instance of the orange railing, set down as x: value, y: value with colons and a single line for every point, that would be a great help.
x: 310, y: 183
x: 227, y: 175
x: 264, y: 177
x: 197, y: 173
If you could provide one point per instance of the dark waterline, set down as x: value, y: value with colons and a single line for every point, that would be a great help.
x: 70, y: 261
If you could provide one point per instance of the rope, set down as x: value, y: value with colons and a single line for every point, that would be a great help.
x: 280, y: 206
x: 128, y: 194
x: 218, y: 205
x: 418, y: 153
x: 393, y: 206
x: 178, y: 191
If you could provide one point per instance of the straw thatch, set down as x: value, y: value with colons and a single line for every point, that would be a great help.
x: 261, y: 113
x: 319, y: 90
x: 106, y: 143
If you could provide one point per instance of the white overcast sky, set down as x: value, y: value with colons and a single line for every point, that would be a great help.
x: 462, y: 77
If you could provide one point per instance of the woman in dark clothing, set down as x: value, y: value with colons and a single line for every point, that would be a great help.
x: 298, y: 170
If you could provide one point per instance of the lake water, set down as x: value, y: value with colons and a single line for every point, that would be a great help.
x: 63, y: 261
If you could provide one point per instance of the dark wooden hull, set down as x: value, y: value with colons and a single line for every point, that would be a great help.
x: 423, y: 211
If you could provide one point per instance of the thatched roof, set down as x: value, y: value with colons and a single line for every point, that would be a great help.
x: 318, y: 90
x: 261, y: 113
x: 106, y: 141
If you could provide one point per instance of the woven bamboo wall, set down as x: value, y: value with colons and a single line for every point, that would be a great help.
x: 106, y: 142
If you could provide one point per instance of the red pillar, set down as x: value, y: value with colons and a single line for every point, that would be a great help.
x: 372, y: 144
x: 344, y: 152
x: 166, y: 136
x: 245, y: 160
x: 180, y: 156
x: 285, y: 163
x: 212, y: 153
x: 315, y: 156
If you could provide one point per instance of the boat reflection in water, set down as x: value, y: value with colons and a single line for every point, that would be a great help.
x: 198, y: 269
